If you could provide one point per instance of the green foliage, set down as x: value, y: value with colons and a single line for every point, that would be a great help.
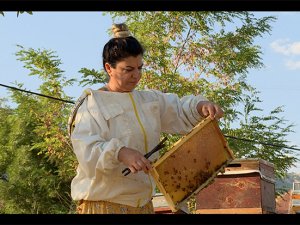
x: 37, y: 151
x: 6, y: 154
x: 270, y: 129
x: 18, y: 12
x: 197, y: 43
x: 92, y: 77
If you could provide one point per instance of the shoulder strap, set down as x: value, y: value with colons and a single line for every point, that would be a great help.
x: 74, y: 110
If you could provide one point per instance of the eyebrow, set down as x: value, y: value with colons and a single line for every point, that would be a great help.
x: 131, y: 67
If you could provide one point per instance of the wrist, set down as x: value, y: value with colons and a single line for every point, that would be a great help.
x: 121, y: 153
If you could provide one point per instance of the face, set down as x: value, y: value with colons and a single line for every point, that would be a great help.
x: 126, y: 75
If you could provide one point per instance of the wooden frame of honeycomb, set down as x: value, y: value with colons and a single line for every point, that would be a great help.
x: 192, y: 163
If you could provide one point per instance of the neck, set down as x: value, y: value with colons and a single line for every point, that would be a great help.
x: 108, y: 88
x: 114, y: 89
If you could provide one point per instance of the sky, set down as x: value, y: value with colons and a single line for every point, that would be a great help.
x: 77, y: 38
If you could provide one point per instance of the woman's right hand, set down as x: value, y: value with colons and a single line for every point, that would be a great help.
x: 134, y: 160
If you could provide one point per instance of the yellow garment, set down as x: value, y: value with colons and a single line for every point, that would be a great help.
x: 108, y: 121
x: 102, y: 207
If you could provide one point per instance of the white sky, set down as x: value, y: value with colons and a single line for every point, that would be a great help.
x: 78, y: 39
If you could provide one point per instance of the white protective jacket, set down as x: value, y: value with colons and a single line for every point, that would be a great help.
x: 107, y: 121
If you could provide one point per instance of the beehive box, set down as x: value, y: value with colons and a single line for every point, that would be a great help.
x: 246, y: 187
x: 191, y: 163
x: 160, y: 204
x: 296, y: 197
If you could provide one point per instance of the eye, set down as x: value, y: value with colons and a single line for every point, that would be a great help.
x: 127, y: 70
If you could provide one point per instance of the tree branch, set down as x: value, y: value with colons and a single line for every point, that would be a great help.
x: 181, y: 50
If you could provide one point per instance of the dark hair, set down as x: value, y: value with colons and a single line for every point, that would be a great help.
x: 119, y: 48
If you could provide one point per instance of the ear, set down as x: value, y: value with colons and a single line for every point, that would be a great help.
x: 108, y: 68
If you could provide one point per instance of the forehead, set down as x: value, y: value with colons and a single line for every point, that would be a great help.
x: 131, y: 61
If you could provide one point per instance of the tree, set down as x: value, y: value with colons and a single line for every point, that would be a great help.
x: 35, y: 147
x: 211, y: 53
x: 5, y: 157
x: 18, y: 12
x: 268, y: 131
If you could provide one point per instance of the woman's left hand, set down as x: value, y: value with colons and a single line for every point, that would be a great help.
x: 207, y: 108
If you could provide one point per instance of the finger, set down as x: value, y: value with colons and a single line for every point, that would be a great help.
x: 211, y: 110
x: 143, y: 166
x: 205, y: 111
x: 147, y: 165
x: 138, y: 165
x: 147, y: 162
x: 132, y: 169
x: 219, y: 112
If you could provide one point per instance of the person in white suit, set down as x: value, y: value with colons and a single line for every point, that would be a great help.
x: 112, y: 128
